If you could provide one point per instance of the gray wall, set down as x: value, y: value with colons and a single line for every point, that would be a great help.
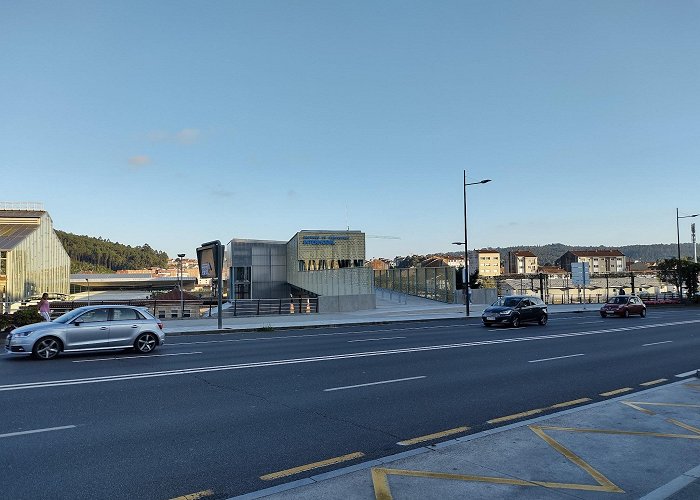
x: 346, y: 303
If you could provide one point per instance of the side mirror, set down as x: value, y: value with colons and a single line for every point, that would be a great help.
x: 77, y: 323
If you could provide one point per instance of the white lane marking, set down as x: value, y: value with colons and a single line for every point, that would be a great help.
x: 657, y: 343
x: 506, y: 328
x: 372, y: 340
x: 136, y: 357
x: 687, y: 374
x: 373, y: 383
x: 332, y: 357
x: 35, y: 431
x: 552, y: 359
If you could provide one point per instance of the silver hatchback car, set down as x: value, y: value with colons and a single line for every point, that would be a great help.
x: 89, y: 328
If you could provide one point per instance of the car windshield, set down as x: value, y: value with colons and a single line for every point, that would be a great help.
x: 617, y: 300
x: 508, y: 301
x: 70, y: 315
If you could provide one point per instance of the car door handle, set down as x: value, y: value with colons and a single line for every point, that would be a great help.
x: 104, y: 328
x: 134, y: 326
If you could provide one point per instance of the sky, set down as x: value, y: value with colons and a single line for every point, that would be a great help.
x: 174, y: 123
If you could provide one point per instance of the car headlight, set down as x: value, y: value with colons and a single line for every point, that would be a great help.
x: 21, y: 334
x: 505, y: 313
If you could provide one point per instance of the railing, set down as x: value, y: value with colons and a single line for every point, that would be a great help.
x: 169, y: 309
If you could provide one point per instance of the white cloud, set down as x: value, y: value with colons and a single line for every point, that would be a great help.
x: 187, y: 136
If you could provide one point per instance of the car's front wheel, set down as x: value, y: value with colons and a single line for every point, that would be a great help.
x: 145, y: 343
x: 626, y: 314
x: 47, y: 348
x: 643, y: 313
x: 543, y: 320
x: 488, y: 323
x: 515, y: 322
x: 603, y: 315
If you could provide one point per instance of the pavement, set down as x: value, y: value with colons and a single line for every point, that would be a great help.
x: 645, y: 444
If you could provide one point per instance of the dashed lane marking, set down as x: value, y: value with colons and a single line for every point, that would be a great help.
x: 36, y: 431
x: 374, y: 383
x: 430, y: 437
x: 195, y: 496
x: 616, y: 391
x: 654, y: 382
x: 315, y: 465
x: 515, y: 416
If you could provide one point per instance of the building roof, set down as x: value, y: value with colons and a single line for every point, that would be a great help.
x: 488, y: 250
x: 12, y: 235
x: 524, y: 253
x: 174, y: 295
x: 613, y: 252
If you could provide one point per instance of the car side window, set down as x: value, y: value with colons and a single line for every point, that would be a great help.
x: 124, y: 314
x: 526, y: 303
x: 94, y: 316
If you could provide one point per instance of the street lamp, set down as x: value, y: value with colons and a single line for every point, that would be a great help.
x: 465, y: 276
x: 678, y: 235
x: 182, y: 303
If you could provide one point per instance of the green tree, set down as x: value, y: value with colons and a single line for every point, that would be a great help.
x: 668, y: 270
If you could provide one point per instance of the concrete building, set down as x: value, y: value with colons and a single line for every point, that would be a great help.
x: 32, y: 258
x: 599, y: 261
x: 521, y: 262
x: 486, y: 261
x: 329, y: 265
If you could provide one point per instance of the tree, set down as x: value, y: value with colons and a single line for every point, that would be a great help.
x: 668, y: 270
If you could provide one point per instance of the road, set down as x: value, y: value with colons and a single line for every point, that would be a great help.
x: 222, y: 415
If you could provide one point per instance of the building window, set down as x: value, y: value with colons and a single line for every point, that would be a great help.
x: 174, y: 313
x: 3, y: 263
x: 161, y: 313
x: 186, y: 313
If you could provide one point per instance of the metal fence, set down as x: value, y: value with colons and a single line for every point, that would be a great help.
x: 435, y: 283
x: 188, y: 309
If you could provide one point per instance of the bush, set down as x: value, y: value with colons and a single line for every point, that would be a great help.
x: 5, y: 322
x: 26, y: 316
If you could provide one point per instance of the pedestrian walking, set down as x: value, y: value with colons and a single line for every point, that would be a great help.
x: 45, y: 307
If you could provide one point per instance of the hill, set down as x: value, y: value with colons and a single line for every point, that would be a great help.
x: 90, y: 254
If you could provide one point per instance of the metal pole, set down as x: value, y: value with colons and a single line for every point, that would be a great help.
x: 678, y: 235
x: 466, y: 251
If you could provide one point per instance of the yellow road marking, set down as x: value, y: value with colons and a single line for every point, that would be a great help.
x: 616, y: 391
x: 195, y: 496
x: 653, y: 382
x: 685, y: 426
x: 515, y: 416
x: 634, y: 405
x: 315, y: 465
x: 570, y: 403
x: 429, y: 437
x: 622, y: 433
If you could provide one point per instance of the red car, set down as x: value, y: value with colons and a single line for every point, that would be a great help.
x: 623, y: 305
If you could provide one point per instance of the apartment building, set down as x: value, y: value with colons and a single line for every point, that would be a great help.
x: 522, y: 262
x: 599, y: 261
x: 487, y: 261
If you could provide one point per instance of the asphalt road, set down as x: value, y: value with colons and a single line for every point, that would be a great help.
x: 222, y: 415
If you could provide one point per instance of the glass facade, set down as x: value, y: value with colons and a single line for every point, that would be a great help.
x: 257, y: 269
x: 32, y: 258
x: 436, y: 283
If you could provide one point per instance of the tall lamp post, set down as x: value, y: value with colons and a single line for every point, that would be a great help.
x: 182, y: 302
x: 88, y: 287
x: 465, y: 277
x: 678, y: 235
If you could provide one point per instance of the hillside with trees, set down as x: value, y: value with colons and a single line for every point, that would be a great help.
x: 97, y: 255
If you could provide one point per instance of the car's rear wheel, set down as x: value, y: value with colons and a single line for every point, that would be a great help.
x: 643, y: 313
x: 145, y: 343
x: 515, y: 322
x: 47, y: 348
x: 543, y: 320
x: 626, y: 314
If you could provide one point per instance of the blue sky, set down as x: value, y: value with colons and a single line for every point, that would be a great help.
x: 173, y: 123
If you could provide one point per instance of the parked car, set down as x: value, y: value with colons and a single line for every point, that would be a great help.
x: 89, y: 328
x: 623, y: 305
x: 515, y: 309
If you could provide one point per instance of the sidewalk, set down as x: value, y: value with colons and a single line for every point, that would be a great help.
x: 644, y: 445
x: 415, y: 309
